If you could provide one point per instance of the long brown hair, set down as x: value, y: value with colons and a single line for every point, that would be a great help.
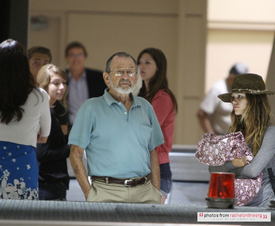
x: 254, y: 122
x: 159, y: 80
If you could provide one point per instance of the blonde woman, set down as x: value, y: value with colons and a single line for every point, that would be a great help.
x: 51, y: 157
x: 251, y: 115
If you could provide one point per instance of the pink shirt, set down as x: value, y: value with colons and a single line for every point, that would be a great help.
x: 164, y: 109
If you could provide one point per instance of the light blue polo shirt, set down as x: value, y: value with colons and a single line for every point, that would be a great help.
x: 117, y: 143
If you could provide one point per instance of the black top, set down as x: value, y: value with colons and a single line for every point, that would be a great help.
x: 95, y: 82
x: 52, y: 156
x: 60, y: 113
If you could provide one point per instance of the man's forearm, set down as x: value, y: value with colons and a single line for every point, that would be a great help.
x: 79, y: 169
x: 206, y: 125
x: 205, y: 122
x: 155, y: 171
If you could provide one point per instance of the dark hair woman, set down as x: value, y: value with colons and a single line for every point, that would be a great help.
x: 152, y: 64
x: 24, y: 121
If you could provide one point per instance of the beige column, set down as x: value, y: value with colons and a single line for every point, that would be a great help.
x: 191, y: 69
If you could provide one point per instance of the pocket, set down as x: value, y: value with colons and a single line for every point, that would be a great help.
x: 166, y: 185
x: 92, y: 194
x: 144, y: 135
x: 156, y: 190
x: 157, y: 194
x: 169, y: 185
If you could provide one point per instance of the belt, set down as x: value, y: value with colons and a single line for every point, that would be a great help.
x: 125, y: 182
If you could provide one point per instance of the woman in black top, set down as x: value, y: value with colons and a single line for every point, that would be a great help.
x: 52, y: 156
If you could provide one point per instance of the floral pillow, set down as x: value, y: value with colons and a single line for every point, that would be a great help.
x: 215, y: 150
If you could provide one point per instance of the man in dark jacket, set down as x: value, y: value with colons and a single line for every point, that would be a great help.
x: 83, y: 82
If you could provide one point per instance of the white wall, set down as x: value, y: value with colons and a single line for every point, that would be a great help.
x: 237, y: 30
x: 226, y: 47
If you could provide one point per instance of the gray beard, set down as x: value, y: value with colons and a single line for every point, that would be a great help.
x: 121, y: 90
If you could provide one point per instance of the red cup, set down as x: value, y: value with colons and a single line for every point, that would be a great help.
x: 221, y: 191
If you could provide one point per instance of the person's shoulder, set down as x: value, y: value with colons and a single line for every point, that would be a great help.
x: 141, y: 99
x: 93, y: 101
x: 40, y: 91
x: 162, y: 93
x: 38, y: 95
x: 271, y: 128
x: 162, y: 96
x: 219, y: 83
x: 218, y: 87
x: 143, y: 102
x: 90, y: 71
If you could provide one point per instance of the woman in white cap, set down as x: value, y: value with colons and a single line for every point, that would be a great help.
x: 251, y: 115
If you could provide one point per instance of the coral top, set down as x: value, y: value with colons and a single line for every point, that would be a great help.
x: 164, y: 109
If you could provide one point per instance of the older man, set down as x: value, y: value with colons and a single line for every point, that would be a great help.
x: 119, y: 132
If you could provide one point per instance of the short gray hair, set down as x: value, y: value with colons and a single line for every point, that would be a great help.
x: 119, y: 54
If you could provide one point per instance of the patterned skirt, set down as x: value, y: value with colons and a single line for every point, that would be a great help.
x: 18, y: 171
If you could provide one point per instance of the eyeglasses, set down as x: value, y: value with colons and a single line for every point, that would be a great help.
x: 237, y: 98
x: 80, y: 55
x: 121, y: 72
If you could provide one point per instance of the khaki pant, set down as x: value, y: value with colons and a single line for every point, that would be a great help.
x: 145, y: 193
